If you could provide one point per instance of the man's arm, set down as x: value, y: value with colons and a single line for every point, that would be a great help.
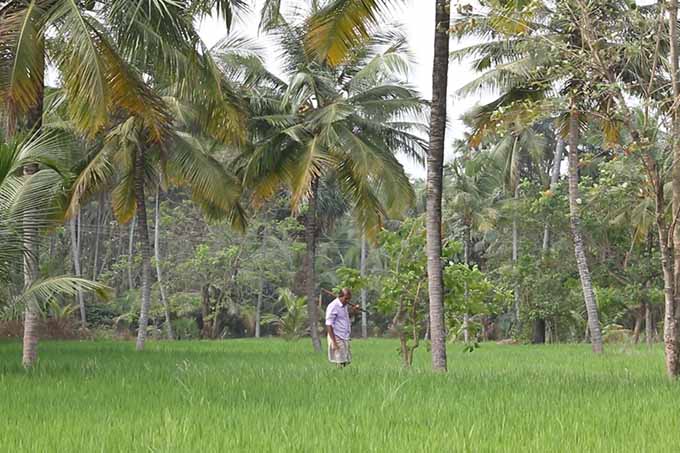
x: 330, y: 317
x: 331, y: 334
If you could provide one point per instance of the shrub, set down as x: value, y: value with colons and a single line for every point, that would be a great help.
x: 185, y: 328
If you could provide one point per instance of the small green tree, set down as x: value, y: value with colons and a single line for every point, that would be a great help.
x: 404, y: 284
x: 469, y: 294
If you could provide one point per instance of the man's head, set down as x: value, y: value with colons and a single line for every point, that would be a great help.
x: 345, y: 295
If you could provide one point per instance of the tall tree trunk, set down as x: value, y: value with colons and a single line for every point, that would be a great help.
x: 466, y: 294
x: 672, y: 314
x: 258, y: 307
x: 362, y: 271
x: 637, y: 327
x: 95, y: 259
x: 515, y: 256
x: 309, y: 262
x: 579, y: 249
x: 145, y: 247
x: 131, y: 244
x: 30, y: 233
x: 32, y: 311
x: 157, y: 252
x: 75, y: 252
x: 649, y: 332
x: 435, y: 168
x: 554, y: 179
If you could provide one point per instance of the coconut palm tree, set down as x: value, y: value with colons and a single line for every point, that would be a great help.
x: 99, y: 50
x: 435, y: 169
x: 341, y: 125
x: 33, y: 202
x: 129, y: 163
x: 518, y: 62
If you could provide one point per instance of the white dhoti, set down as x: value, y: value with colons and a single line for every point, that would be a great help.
x: 343, y: 353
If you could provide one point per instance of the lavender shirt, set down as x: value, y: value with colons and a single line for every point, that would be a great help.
x: 338, y: 318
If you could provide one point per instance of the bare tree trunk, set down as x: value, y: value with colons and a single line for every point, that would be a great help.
x: 649, y: 332
x: 258, y: 307
x: 466, y: 260
x: 672, y: 314
x: 97, y: 233
x: 157, y: 252
x: 145, y: 247
x: 637, y: 328
x: 362, y: 271
x: 554, y: 179
x: 435, y: 168
x: 113, y: 240
x: 131, y: 244
x: 579, y: 249
x: 515, y: 256
x: 30, y: 233
x: 309, y: 265
x: 75, y: 251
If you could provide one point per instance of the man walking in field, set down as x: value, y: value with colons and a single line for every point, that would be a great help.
x: 339, y: 329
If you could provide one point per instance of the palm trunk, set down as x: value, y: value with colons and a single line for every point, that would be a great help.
x: 157, y: 252
x: 75, y: 251
x: 30, y: 233
x: 667, y: 264
x: 672, y: 314
x: 32, y: 311
x: 579, y: 250
x: 435, y: 168
x: 131, y: 244
x: 309, y: 262
x: 362, y: 271
x: 145, y: 247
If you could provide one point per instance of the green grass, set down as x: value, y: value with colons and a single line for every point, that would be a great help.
x: 270, y: 395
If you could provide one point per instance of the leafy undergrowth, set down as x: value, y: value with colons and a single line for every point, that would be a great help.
x: 271, y: 395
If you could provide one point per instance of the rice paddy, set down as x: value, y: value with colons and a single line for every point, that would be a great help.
x: 272, y: 395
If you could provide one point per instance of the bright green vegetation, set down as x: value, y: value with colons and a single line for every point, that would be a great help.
x: 271, y: 395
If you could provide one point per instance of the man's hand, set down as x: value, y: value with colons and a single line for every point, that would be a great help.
x: 335, y: 343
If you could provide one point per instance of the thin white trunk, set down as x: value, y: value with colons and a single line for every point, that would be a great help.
x: 97, y: 233
x: 466, y: 328
x: 554, y: 179
x: 362, y: 271
x: 258, y: 307
x: 649, y: 326
x: 515, y: 254
x: 466, y: 295
x: 75, y: 252
x: 157, y: 254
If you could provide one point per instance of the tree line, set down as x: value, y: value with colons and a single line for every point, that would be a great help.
x: 143, y: 109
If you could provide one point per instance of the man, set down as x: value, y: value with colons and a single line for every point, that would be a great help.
x: 339, y: 328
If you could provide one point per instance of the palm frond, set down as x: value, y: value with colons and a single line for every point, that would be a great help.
x: 22, y: 57
x: 46, y: 289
